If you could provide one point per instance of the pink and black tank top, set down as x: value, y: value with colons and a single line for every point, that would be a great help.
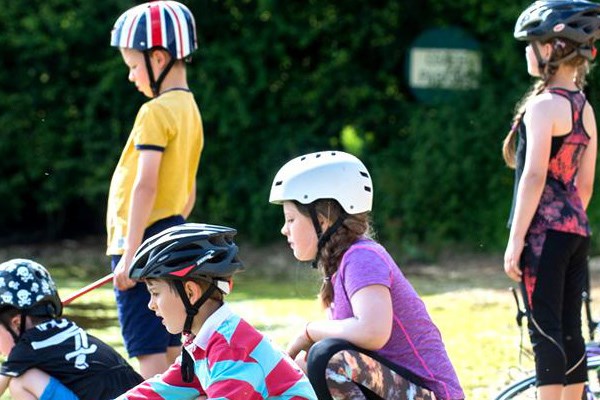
x: 560, y: 207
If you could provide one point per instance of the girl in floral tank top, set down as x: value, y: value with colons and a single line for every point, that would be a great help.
x: 554, y: 160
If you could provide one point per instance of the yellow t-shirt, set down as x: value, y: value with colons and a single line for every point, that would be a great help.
x: 170, y: 123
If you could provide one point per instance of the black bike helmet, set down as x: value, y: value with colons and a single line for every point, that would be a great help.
x: 575, y: 20
x: 28, y: 287
x: 189, y: 251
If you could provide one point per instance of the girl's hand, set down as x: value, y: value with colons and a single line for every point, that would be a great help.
x: 512, y: 256
x: 300, y: 360
x: 300, y: 343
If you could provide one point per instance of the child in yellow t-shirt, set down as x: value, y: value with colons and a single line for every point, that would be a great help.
x: 154, y: 184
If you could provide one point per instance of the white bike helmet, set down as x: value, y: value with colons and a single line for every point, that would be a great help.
x: 325, y: 175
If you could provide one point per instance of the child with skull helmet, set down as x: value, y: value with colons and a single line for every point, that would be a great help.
x: 49, y: 357
x: 188, y: 270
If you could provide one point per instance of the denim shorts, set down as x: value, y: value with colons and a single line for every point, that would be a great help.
x: 57, y: 391
x: 143, y: 332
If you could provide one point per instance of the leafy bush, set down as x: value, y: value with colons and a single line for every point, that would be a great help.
x: 273, y: 80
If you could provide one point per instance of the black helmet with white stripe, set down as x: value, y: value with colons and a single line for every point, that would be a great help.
x: 575, y: 20
x: 189, y: 251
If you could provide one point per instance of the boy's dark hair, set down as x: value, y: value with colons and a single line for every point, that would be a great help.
x: 8, y: 312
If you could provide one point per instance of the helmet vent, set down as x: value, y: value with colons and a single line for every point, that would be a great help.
x: 364, y: 174
x: 278, y: 183
x: 368, y: 189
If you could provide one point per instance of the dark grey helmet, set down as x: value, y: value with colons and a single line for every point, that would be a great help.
x: 574, y: 20
x: 188, y: 251
x: 28, y: 287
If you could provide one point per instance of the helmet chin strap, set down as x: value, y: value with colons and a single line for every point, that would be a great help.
x: 323, y: 236
x: 187, y: 363
x: 541, y: 62
x: 155, y: 84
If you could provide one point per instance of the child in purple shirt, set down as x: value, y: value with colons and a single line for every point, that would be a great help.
x: 378, y: 341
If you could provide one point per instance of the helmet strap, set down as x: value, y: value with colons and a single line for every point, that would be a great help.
x: 312, y: 210
x: 23, y: 322
x: 541, y: 62
x: 155, y: 83
x: 187, y: 363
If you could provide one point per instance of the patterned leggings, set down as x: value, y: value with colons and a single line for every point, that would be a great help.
x: 338, y: 370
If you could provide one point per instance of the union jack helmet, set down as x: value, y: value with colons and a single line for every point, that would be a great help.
x: 166, y: 24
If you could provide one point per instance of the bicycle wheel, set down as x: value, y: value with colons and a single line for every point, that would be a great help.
x: 525, y: 389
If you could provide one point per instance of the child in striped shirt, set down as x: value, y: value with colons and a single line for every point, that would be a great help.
x: 188, y: 269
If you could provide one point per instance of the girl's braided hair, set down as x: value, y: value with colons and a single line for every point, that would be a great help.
x: 354, y: 227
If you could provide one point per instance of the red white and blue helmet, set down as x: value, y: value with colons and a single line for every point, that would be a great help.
x: 157, y: 24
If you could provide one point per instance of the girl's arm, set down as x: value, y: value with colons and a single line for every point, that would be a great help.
x: 587, y: 169
x: 370, y: 328
x: 539, y: 141
x: 168, y: 385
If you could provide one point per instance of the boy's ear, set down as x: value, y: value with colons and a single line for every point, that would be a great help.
x: 15, y: 322
x: 193, y: 291
x: 161, y: 57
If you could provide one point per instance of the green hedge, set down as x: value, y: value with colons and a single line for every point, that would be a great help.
x: 273, y: 80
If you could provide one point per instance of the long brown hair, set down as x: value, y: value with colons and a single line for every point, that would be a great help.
x: 354, y: 227
x: 561, y: 49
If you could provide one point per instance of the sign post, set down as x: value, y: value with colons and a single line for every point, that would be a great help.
x: 443, y: 63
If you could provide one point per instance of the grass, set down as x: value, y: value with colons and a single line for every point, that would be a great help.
x: 468, y: 301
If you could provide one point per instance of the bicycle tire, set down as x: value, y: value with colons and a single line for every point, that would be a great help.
x: 525, y: 388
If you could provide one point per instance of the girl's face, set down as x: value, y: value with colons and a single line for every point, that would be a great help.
x: 166, y: 304
x: 533, y: 66
x: 300, y: 232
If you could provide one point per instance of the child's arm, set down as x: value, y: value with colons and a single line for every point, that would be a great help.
x: 143, y: 195
x: 189, y: 206
x: 4, y: 381
x: 169, y: 385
